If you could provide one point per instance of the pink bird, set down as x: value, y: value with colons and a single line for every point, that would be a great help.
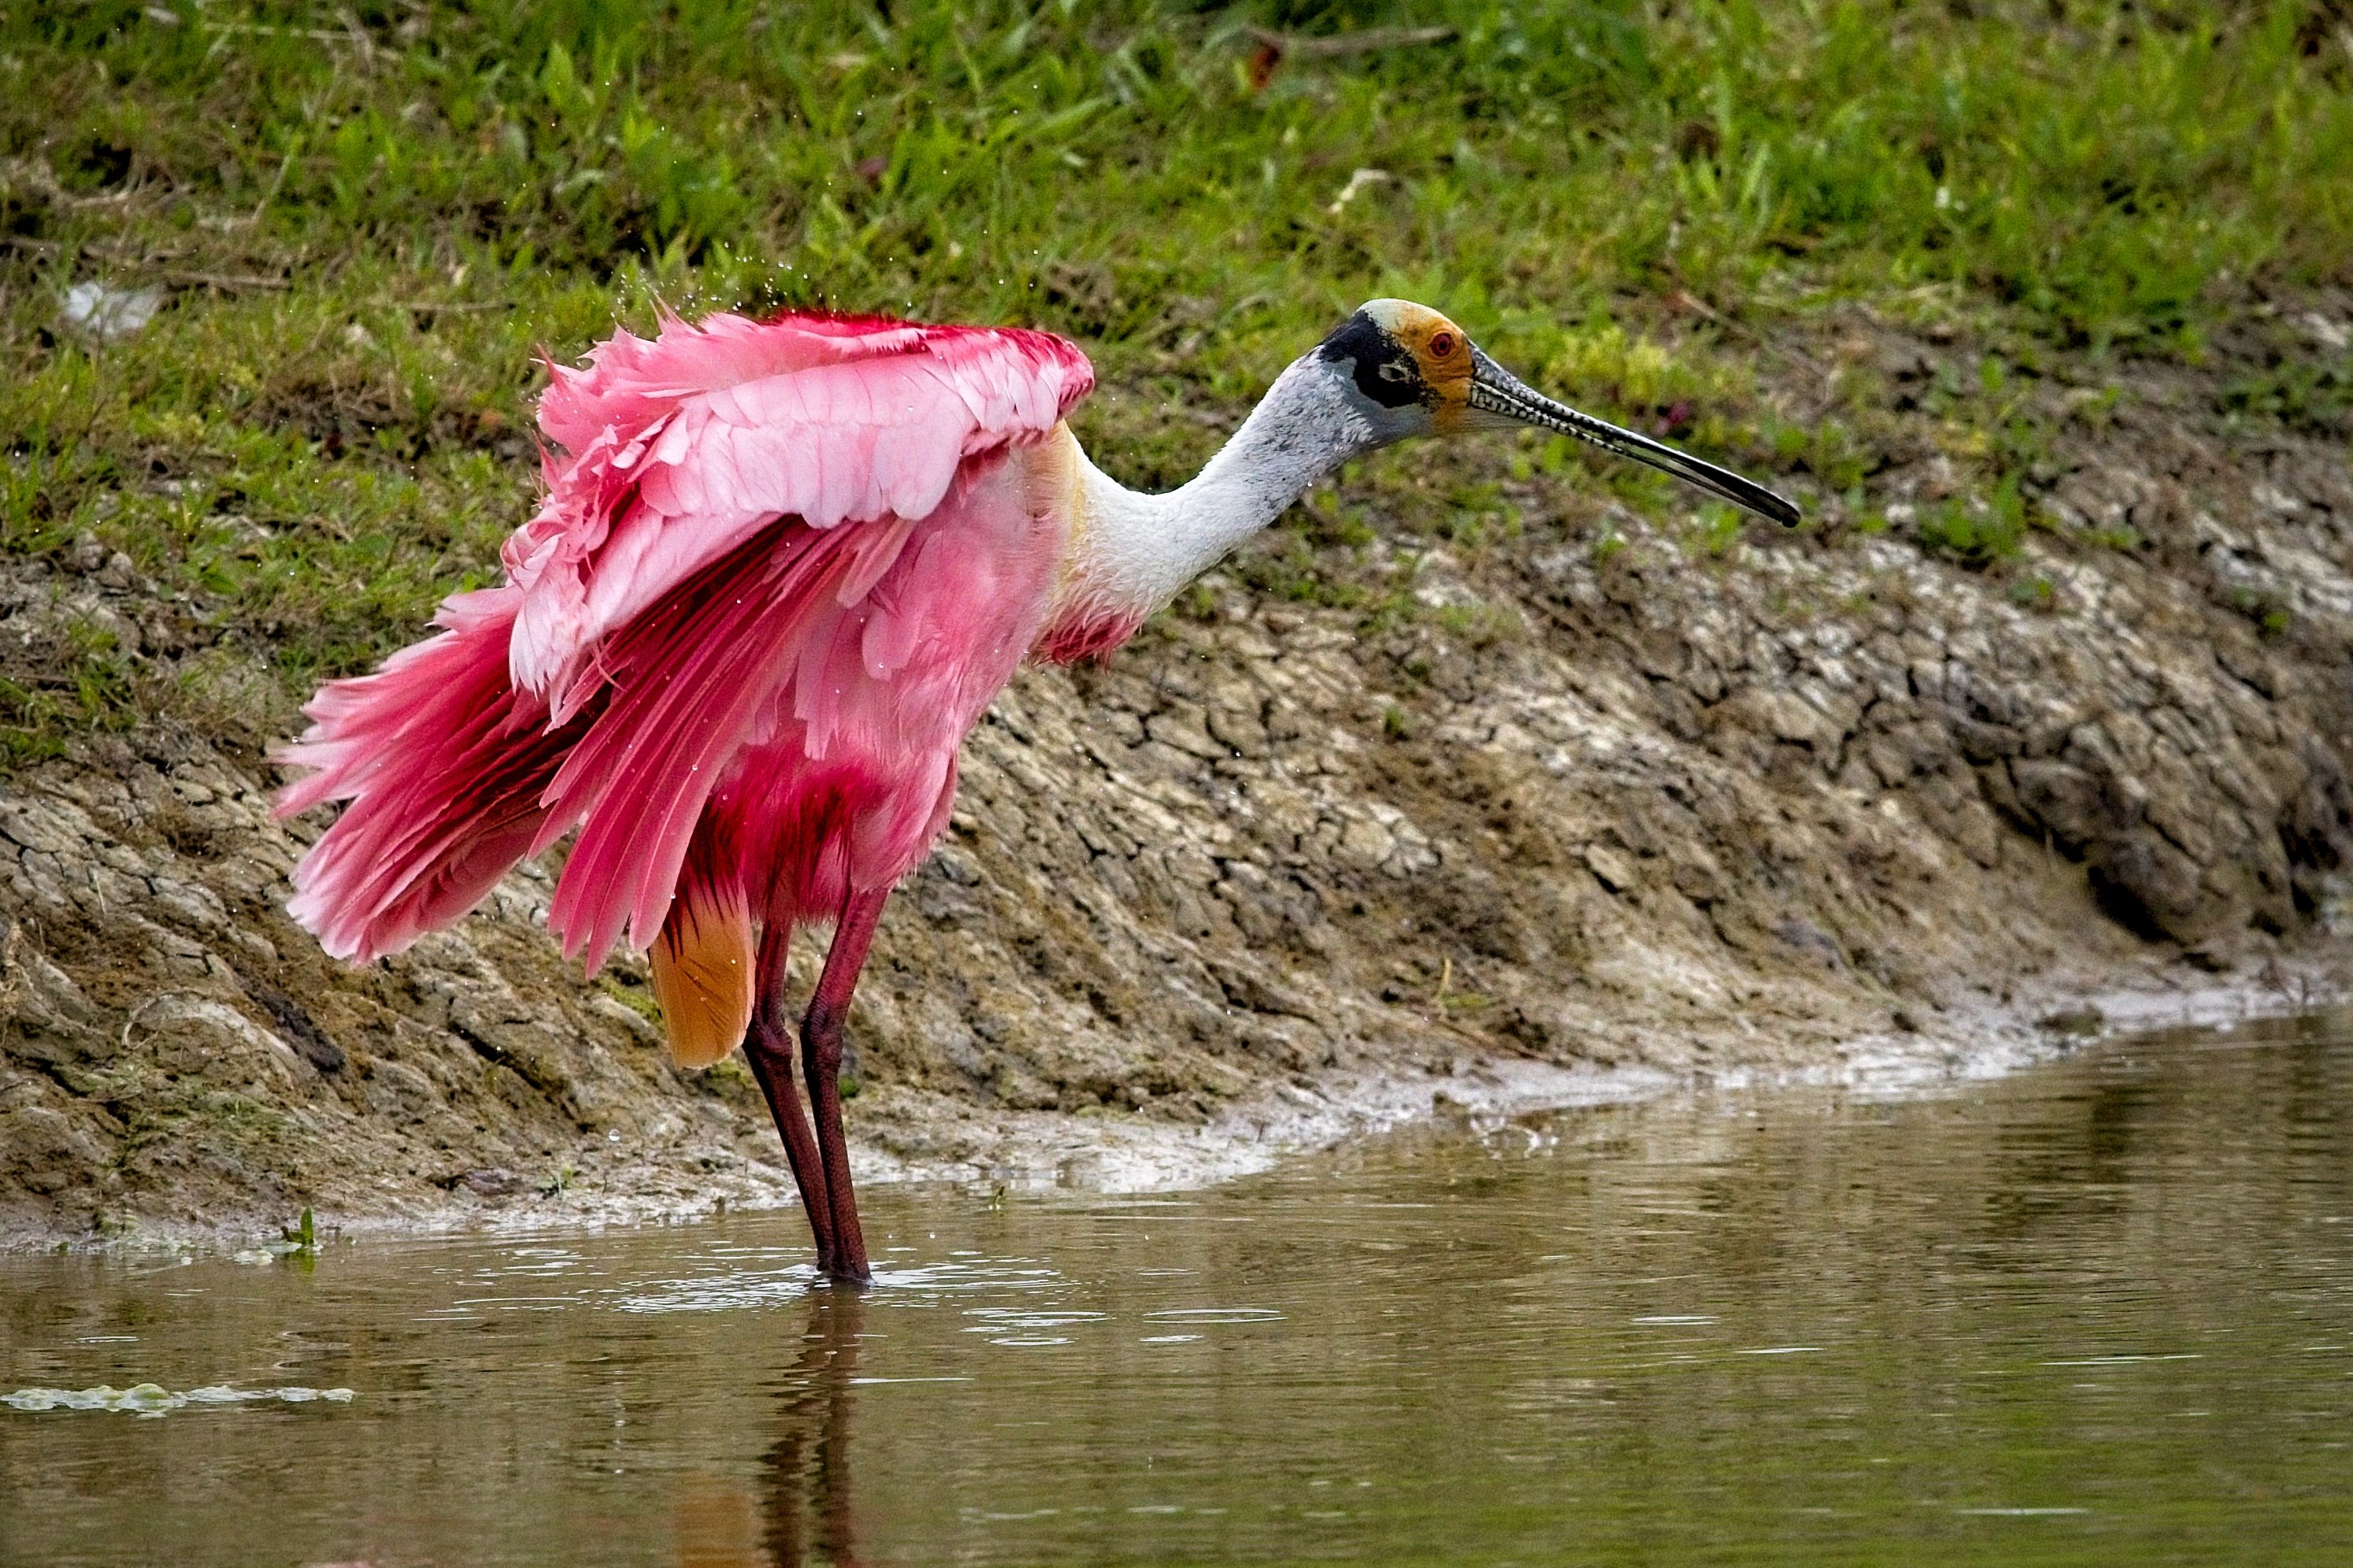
x: 781, y: 569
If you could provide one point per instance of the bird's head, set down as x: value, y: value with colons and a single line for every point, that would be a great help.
x: 1404, y: 370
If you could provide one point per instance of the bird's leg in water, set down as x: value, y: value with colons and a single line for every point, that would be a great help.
x: 769, y: 1048
x: 821, y: 1061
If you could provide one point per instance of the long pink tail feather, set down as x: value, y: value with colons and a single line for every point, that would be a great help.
x: 444, y: 764
x: 454, y: 775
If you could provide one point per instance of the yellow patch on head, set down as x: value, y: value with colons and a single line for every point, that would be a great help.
x: 1439, y: 348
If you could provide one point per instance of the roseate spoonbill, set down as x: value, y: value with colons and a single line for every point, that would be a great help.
x: 781, y: 569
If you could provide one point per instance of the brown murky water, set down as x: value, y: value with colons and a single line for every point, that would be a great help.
x: 2099, y: 1312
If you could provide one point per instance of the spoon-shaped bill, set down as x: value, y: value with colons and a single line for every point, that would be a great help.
x: 1497, y: 391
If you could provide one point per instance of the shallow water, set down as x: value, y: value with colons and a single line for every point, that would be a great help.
x: 2098, y: 1312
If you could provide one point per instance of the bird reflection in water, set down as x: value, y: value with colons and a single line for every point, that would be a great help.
x: 796, y: 1510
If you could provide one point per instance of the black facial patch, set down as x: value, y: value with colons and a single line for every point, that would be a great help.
x: 1384, y: 369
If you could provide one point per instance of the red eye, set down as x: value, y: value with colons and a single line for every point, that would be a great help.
x: 1441, y: 344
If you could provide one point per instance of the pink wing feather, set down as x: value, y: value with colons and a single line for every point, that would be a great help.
x: 784, y: 570
x: 718, y: 428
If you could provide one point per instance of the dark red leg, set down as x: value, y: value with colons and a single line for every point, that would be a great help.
x: 768, y: 1046
x: 821, y: 1062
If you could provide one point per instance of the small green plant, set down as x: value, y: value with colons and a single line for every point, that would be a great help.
x: 1978, y: 535
x: 1198, y: 601
x: 2094, y: 408
x: 1481, y: 625
x: 1332, y: 524
x: 2316, y: 397
x: 78, y: 682
x: 1387, y: 612
x: 729, y: 1074
x: 1477, y: 513
x: 637, y: 998
x: 2036, y: 592
x: 299, y: 1242
x: 1719, y: 528
x: 1286, y: 569
x: 2266, y: 609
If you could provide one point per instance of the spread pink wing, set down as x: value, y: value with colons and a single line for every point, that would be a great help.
x: 688, y: 445
x: 755, y: 542
x: 444, y: 767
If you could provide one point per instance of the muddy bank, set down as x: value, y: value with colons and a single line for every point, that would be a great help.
x: 1581, y: 797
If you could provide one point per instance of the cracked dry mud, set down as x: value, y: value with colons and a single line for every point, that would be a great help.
x: 1612, y: 803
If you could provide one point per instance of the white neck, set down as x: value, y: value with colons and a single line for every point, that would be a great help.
x: 1135, y: 552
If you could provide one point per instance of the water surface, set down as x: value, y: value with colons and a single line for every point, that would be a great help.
x: 2098, y: 1312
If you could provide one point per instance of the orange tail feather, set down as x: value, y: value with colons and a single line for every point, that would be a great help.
x: 702, y: 973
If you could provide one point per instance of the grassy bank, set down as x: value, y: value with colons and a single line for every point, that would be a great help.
x: 365, y: 224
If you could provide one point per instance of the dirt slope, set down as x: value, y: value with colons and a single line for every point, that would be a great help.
x: 1608, y: 793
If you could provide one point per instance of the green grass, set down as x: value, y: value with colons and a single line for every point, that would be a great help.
x: 1991, y: 530
x: 373, y: 219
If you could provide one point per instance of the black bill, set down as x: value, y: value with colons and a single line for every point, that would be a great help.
x: 1497, y: 391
